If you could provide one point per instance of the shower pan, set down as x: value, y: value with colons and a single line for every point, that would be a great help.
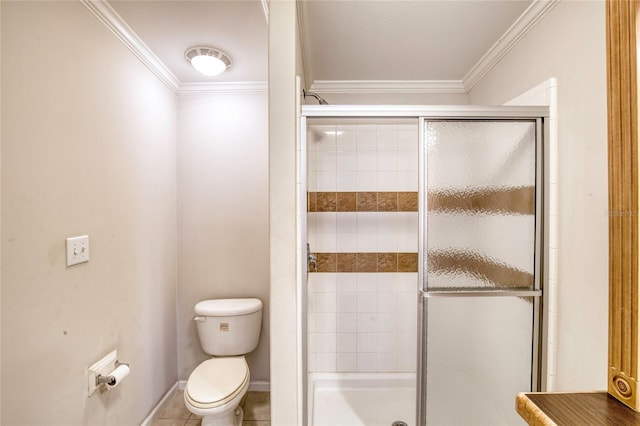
x: 421, y: 263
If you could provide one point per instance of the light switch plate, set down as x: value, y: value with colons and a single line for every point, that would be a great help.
x: 77, y: 250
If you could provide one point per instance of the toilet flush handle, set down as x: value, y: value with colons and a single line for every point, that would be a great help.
x: 201, y: 319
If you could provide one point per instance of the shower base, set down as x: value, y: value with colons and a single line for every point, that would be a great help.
x: 354, y: 399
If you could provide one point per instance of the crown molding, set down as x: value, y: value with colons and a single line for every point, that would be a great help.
x: 388, y: 86
x: 110, y: 18
x: 534, y: 13
x: 236, y: 87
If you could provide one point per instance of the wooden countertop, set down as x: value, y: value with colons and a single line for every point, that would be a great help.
x: 576, y: 408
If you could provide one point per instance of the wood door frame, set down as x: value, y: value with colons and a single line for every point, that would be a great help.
x: 622, y: 116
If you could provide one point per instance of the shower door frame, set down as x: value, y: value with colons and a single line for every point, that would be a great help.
x: 423, y: 113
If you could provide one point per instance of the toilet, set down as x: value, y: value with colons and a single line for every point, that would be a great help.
x: 228, y: 329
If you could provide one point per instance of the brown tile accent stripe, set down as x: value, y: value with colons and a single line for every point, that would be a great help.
x: 362, y: 201
x: 366, y: 262
x: 519, y: 201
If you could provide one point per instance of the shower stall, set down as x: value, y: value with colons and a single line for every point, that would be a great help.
x: 422, y: 263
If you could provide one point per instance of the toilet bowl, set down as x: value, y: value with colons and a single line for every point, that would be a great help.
x: 215, y: 388
x: 228, y: 329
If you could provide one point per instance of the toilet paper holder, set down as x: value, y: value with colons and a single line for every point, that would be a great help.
x: 109, y: 380
x: 106, y: 373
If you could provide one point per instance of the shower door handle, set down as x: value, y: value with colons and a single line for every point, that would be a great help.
x: 480, y: 293
x: 311, y: 259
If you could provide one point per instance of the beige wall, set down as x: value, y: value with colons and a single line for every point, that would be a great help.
x: 223, y: 214
x: 569, y: 44
x: 282, y: 211
x: 88, y: 146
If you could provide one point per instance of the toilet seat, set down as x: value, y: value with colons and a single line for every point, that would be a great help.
x: 216, y: 381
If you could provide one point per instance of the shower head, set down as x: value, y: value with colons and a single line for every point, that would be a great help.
x: 320, y: 99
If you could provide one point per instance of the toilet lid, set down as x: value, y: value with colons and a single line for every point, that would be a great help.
x: 217, y: 379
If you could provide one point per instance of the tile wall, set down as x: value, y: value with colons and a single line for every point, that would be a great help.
x: 363, y: 321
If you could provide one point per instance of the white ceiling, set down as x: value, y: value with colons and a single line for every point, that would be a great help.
x: 402, y: 40
x: 392, y: 40
x: 169, y: 28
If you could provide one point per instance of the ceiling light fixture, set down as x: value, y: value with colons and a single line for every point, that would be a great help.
x: 208, y: 60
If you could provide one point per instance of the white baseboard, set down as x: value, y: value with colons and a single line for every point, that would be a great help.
x: 159, y: 405
x: 254, y: 386
x: 260, y: 386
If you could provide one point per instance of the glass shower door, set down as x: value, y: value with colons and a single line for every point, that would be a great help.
x: 480, y: 269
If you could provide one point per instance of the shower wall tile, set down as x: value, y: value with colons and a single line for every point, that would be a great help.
x: 346, y: 362
x: 367, y: 202
x: 326, y: 283
x: 347, y: 302
x: 407, y: 363
x: 366, y: 137
x: 347, y: 222
x: 326, y: 342
x: 406, y: 343
x: 347, y: 283
x: 407, y: 160
x: 326, y: 302
x: 407, y: 181
x: 407, y: 201
x: 326, y: 201
x: 346, y: 201
x: 387, y: 161
x: 388, y: 201
x: 346, y: 343
x: 367, y: 181
x: 326, y: 181
x: 326, y: 323
x: 386, y: 362
x: 366, y: 342
x: 347, y: 242
x: 347, y: 137
x: 407, y: 262
x: 387, y: 180
x: 367, y: 262
x: 347, y: 181
x: 386, y: 343
x: 367, y: 161
x: 387, y: 302
x: 347, y: 262
x: 387, y: 262
x: 347, y: 323
x: 326, y: 362
x: 367, y: 302
x: 386, y: 138
x: 347, y: 161
x: 326, y: 161
x: 366, y: 362
x: 363, y: 316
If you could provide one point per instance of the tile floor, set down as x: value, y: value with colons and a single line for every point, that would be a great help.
x: 256, y: 406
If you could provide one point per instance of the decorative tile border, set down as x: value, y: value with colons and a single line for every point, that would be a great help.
x: 366, y: 262
x: 518, y: 201
x: 362, y: 201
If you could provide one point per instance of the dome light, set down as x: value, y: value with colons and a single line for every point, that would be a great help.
x: 208, y: 60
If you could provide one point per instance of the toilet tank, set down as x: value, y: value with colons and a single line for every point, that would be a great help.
x: 228, y: 327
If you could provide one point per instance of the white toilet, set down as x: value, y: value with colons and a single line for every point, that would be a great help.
x: 228, y: 329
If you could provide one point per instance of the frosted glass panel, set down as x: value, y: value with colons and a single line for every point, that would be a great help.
x: 480, y: 181
x: 479, y: 355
